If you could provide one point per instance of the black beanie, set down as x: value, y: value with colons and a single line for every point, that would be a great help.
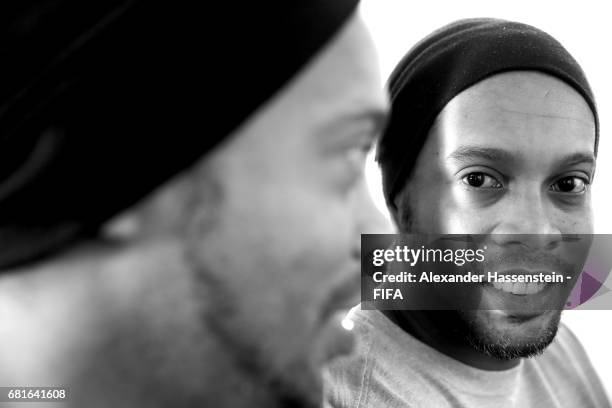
x: 451, y: 60
x: 103, y: 101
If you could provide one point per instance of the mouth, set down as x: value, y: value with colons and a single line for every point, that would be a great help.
x: 343, y: 296
x: 524, y: 291
x: 341, y: 303
x: 520, y: 288
x: 334, y: 339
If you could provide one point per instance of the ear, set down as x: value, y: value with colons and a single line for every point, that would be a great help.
x: 400, y: 211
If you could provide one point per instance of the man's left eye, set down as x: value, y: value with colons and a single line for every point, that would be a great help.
x: 571, y: 184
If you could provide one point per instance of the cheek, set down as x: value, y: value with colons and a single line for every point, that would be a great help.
x: 287, y: 257
x: 469, y: 221
x: 469, y: 212
x: 577, y: 220
x: 287, y: 250
x: 449, y: 210
x: 463, y: 214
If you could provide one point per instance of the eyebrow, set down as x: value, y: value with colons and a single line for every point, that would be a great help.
x: 466, y: 154
x: 377, y: 117
x: 579, y: 158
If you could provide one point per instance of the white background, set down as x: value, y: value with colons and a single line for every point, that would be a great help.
x: 584, y: 28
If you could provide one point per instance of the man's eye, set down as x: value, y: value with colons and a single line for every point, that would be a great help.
x: 571, y: 184
x: 353, y: 166
x: 356, y: 156
x: 481, y: 180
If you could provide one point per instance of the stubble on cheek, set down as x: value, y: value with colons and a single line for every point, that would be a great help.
x: 285, y: 373
x: 241, y: 304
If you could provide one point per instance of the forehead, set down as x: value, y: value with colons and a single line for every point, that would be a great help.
x: 521, y: 111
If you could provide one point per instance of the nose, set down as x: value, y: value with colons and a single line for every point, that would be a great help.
x: 370, y: 220
x: 528, y: 219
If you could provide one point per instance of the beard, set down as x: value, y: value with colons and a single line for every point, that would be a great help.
x: 253, y: 369
x: 471, y: 329
x: 504, y: 346
x: 279, y: 373
x: 288, y: 383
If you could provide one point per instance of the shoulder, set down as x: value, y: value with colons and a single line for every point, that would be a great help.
x: 345, y: 378
x: 566, y: 349
x: 566, y: 367
x: 379, y: 372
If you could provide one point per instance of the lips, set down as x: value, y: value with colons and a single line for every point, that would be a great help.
x: 520, y: 288
x: 524, y: 297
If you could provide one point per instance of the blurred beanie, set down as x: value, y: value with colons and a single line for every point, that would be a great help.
x: 451, y: 60
x: 103, y: 101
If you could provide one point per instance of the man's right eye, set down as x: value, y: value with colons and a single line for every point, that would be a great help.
x: 481, y: 180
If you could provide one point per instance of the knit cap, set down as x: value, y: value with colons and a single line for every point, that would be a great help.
x: 451, y: 60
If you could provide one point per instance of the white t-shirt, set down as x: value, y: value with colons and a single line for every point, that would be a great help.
x: 390, y: 368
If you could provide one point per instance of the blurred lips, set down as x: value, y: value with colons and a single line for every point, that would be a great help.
x: 333, y: 339
x: 345, y: 295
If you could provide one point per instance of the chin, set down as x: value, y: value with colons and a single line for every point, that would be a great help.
x: 299, y: 387
x: 507, y: 337
x: 288, y: 361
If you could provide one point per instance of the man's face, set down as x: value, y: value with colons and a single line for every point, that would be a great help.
x: 281, y: 250
x: 512, y: 155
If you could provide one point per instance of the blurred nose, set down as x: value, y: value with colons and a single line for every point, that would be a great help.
x: 528, y: 219
x: 370, y: 220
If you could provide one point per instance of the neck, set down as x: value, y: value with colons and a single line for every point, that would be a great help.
x: 422, y: 326
x: 127, y: 333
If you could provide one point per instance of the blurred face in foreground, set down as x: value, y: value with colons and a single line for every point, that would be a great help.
x: 511, y: 155
x: 227, y: 286
x: 278, y: 248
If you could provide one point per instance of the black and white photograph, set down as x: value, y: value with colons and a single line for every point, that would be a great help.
x: 309, y: 203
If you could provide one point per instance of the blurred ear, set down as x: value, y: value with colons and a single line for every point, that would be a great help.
x: 185, y: 205
x: 163, y: 212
